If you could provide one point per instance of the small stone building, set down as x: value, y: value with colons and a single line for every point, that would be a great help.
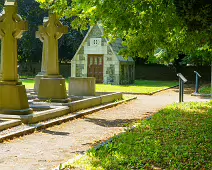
x: 98, y: 58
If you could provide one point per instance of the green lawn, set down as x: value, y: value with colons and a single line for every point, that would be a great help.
x: 205, y: 90
x: 178, y: 137
x: 140, y: 86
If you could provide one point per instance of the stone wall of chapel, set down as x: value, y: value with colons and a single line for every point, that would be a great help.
x: 79, y: 66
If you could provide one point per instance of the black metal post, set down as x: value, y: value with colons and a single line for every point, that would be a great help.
x: 197, y: 83
x: 180, y: 88
x: 182, y: 80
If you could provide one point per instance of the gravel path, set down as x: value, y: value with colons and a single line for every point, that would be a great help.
x: 47, y: 149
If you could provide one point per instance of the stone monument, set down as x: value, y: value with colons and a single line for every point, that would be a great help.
x: 43, y: 38
x: 52, y: 85
x: 13, y: 98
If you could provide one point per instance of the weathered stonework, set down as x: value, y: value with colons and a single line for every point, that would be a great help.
x: 81, y: 57
x: 109, y: 51
x: 81, y: 51
x: 79, y: 70
x: 95, y: 46
x: 95, y: 33
x: 13, y: 98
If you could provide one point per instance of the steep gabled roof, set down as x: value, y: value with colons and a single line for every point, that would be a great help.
x: 114, y: 46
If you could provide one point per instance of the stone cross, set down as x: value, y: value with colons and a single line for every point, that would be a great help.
x: 11, y: 28
x: 43, y: 39
x: 52, y: 30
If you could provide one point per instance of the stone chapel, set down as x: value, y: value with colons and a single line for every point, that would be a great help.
x: 98, y: 58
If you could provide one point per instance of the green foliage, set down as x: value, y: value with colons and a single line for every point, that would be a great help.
x: 30, y: 47
x: 144, y: 25
x: 178, y: 137
x: 196, y: 14
x: 206, y: 90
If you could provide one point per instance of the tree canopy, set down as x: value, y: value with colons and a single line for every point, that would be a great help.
x: 146, y: 27
x: 30, y: 47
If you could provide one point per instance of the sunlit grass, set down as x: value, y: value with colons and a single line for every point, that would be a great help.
x: 29, y: 83
x: 178, y: 137
x: 205, y: 89
x: 140, y: 86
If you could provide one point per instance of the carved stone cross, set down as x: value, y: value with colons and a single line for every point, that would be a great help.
x: 13, y: 98
x: 52, y: 30
x: 11, y: 28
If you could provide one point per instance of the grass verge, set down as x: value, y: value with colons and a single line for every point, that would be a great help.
x: 178, y: 137
x: 140, y: 86
x: 205, y: 89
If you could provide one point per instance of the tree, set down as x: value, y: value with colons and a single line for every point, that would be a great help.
x: 30, y: 47
x: 144, y: 25
x: 177, y: 26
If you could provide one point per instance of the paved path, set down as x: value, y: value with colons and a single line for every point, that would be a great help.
x: 47, y: 149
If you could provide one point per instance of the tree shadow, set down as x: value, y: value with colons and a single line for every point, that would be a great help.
x: 56, y: 133
x: 111, y: 123
x: 150, y: 146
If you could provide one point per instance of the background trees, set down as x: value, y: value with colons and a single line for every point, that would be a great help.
x: 176, y: 27
x: 29, y: 47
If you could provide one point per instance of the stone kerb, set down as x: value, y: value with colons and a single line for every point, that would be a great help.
x: 84, y: 103
x: 79, y: 86
x: 111, y: 97
x: 94, y: 101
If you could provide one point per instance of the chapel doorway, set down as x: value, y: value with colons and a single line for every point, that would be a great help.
x: 95, y: 67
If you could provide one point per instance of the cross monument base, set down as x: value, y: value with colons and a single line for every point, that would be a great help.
x: 13, y: 99
x: 52, y: 88
x: 37, y: 81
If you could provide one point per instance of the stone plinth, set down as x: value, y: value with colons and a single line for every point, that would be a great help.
x: 37, y: 82
x: 79, y: 86
x: 52, y: 89
x: 13, y: 99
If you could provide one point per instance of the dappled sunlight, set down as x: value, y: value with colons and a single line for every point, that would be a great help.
x: 177, y: 137
x: 140, y: 86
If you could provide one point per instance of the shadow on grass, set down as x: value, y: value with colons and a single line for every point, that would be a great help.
x: 178, y: 137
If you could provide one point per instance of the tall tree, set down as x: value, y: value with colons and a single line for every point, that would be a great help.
x: 29, y: 47
x: 176, y: 26
x: 145, y: 26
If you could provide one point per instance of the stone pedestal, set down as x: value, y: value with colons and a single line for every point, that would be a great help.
x: 79, y: 86
x: 53, y: 89
x: 13, y: 99
x: 37, y: 81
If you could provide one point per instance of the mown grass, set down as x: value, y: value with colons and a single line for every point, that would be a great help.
x: 178, y: 137
x: 205, y: 90
x: 29, y: 83
x: 140, y: 86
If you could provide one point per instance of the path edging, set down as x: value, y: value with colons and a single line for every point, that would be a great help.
x: 61, y: 120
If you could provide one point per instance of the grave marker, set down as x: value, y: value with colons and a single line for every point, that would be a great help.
x: 52, y: 86
x: 13, y: 98
x: 43, y: 38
